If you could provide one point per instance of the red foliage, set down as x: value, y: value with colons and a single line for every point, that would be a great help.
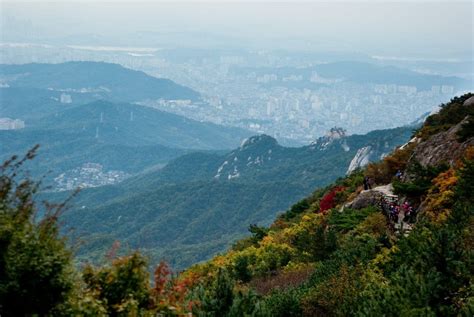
x: 170, y: 293
x: 328, y: 201
x: 162, y: 277
x: 112, y: 253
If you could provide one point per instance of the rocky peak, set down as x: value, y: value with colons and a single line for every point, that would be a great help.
x: 336, y: 133
x: 253, y: 152
x: 469, y: 102
x: 258, y: 140
x: 332, y: 135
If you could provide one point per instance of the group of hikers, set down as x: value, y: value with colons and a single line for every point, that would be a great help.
x: 392, y: 206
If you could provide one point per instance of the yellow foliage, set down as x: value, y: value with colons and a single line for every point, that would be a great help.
x: 469, y: 154
x: 441, y: 196
x: 374, y: 224
x: 383, y: 257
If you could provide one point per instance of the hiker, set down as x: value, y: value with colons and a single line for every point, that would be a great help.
x: 393, y: 212
x: 371, y: 182
x: 412, y: 214
x: 407, y: 209
x: 367, y: 183
x: 399, y: 174
x: 405, y: 206
x: 397, y: 212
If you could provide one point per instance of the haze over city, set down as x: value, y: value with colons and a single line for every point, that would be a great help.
x: 417, y: 29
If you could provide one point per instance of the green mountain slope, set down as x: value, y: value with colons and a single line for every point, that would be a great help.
x: 122, y: 137
x: 200, y: 200
x: 403, y: 247
x: 342, y: 252
x: 103, y: 80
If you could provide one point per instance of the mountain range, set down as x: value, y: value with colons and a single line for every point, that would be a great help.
x: 186, y: 195
x: 357, y: 72
x: 81, y: 112
x: 102, y: 80
x: 199, y: 203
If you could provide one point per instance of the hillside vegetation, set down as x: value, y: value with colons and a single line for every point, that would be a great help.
x: 85, y: 112
x: 200, y: 203
x: 338, y: 252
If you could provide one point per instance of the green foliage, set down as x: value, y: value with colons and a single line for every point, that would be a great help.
x: 467, y: 130
x: 284, y: 303
x: 123, y: 286
x: 465, y: 186
x: 449, y: 115
x: 218, y: 298
x: 317, y: 243
x: 421, y: 179
x: 258, y: 232
x: 336, y: 295
x: 241, y: 269
x: 35, y: 265
x: 296, y: 209
x: 349, y: 219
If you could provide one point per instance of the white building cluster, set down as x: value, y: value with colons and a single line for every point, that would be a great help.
x: 11, y: 124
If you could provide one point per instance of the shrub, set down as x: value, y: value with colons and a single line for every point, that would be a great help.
x: 329, y: 200
x: 36, y: 273
x: 123, y: 285
x: 384, y: 171
x: 422, y: 178
x: 284, y: 303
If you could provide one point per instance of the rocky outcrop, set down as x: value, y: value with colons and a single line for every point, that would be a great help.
x: 442, y: 147
x: 361, y: 159
x: 365, y: 199
x: 332, y: 135
x: 469, y: 102
x: 371, y: 197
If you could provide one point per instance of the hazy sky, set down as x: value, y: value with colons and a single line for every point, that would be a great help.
x: 376, y: 27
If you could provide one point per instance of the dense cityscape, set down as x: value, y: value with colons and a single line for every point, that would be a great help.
x: 294, y: 108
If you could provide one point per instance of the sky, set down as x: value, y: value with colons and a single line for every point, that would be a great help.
x: 403, y: 28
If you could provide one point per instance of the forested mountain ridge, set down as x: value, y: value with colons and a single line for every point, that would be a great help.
x: 84, y: 117
x: 103, y: 80
x: 199, y: 203
x: 392, y: 239
x: 136, y: 138
x: 400, y: 246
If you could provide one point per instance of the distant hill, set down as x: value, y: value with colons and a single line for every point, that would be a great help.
x: 101, y: 80
x: 29, y: 104
x: 122, y: 137
x: 199, y: 203
x: 121, y: 123
x: 357, y: 72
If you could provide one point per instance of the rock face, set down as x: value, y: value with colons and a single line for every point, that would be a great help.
x: 332, y: 135
x: 442, y: 147
x: 371, y: 197
x: 469, y: 102
x: 361, y: 159
x: 365, y: 199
